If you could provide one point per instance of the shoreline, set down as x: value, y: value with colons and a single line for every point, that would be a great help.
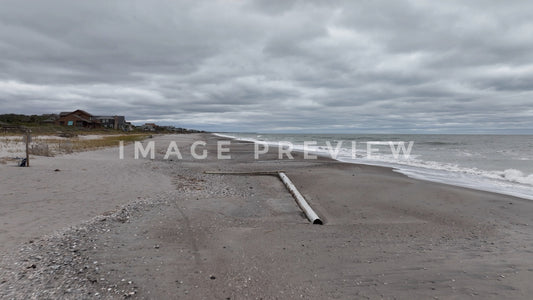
x: 221, y: 236
x: 478, y: 182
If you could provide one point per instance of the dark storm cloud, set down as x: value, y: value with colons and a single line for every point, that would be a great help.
x: 328, y: 66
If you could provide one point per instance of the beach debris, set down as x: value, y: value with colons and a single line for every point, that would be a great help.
x: 302, y: 203
x: 258, y: 173
x: 23, y: 162
x: 67, y: 134
x: 309, y: 212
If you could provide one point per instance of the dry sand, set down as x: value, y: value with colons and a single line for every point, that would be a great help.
x: 184, y: 234
x: 61, y: 191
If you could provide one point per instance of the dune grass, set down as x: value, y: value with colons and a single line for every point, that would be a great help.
x: 45, y: 142
x: 53, y: 146
x: 106, y: 141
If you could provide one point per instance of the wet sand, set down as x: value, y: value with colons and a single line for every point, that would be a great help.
x: 202, y: 236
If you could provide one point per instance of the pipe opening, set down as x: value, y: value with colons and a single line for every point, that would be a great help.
x: 318, y: 222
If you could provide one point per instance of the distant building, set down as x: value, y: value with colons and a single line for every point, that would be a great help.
x: 78, y: 118
x: 149, y: 127
x: 113, y: 122
x: 128, y: 126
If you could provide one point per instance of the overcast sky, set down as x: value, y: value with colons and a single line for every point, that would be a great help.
x: 266, y: 66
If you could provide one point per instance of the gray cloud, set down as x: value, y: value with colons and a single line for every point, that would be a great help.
x: 323, y: 66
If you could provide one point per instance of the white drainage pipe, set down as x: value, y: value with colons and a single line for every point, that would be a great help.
x: 309, y: 212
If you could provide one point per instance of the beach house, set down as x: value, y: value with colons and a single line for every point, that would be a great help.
x: 78, y: 118
x: 149, y: 127
x: 113, y: 122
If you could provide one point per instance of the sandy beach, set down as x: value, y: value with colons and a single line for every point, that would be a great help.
x: 89, y: 225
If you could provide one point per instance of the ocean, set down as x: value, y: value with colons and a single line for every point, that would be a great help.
x: 495, y: 163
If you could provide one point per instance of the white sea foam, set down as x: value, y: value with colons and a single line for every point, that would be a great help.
x: 516, y: 176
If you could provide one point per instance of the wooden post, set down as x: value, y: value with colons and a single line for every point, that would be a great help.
x: 28, y: 147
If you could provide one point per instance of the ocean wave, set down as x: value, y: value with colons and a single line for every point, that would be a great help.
x: 225, y: 135
x: 439, y: 143
x: 516, y: 176
x: 510, y: 175
x: 510, y: 181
